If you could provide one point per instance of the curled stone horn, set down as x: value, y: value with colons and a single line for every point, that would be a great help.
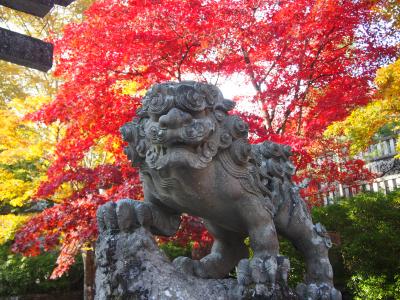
x: 225, y: 105
x: 188, y: 98
x: 158, y: 104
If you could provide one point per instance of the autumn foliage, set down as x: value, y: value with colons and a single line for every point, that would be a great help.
x: 310, y: 63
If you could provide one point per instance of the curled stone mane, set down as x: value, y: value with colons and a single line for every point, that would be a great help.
x: 230, y: 131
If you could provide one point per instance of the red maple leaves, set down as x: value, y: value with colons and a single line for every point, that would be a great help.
x: 306, y: 60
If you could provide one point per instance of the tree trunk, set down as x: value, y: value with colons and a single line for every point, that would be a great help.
x: 89, y: 268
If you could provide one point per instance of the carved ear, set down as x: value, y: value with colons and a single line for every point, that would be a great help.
x: 142, y: 113
x: 133, y: 134
x: 226, y: 105
x: 128, y: 133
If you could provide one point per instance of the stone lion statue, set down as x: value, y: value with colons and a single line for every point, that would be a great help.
x: 195, y: 158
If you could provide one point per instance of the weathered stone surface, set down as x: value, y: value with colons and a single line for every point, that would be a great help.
x: 131, y: 266
x: 26, y: 51
x: 195, y: 158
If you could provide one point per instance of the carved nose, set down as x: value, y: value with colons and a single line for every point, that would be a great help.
x: 175, y: 118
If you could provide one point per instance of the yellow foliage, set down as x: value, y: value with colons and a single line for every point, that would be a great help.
x: 63, y: 192
x: 129, y: 87
x: 24, y: 140
x: 388, y: 80
x: 15, y: 191
x: 25, y: 150
x: 103, y: 152
x: 9, y: 224
x: 364, y: 122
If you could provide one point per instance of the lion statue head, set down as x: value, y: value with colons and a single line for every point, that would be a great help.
x: 185, y: 124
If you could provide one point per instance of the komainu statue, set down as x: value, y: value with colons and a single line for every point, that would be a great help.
x: 195, y: 158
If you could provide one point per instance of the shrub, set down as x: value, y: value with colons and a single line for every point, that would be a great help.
x: 369, y: 229
x: 21, y: 275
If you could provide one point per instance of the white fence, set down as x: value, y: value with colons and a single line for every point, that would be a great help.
x: 380, y: 160
x: 383, y: 184
x: 385, y: 148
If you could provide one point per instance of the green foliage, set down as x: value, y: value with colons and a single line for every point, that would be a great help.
x: 22, y: 170
x: 368, y: 256
x: 375, y: 287
x: 297, y: 266
x: 173, y: 250
x: 21, y: 275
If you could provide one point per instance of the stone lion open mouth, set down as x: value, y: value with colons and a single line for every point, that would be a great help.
x: 177, y: 155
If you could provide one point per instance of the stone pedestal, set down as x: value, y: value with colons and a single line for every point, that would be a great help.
x: 131, y: 266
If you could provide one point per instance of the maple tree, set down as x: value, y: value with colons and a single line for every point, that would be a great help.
x: 25, y: 153
x: 26, y: 148
x: 383, y: 112
x: 363, y: 124
x: 309, y: 63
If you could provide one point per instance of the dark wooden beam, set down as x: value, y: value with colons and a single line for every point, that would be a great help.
x: 25, y: 51
x: 63, y: 2
x: 38, y: 8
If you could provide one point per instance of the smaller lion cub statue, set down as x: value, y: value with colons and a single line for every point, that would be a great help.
x: 195, y: 158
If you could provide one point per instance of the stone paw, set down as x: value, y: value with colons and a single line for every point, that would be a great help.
x: 124, y: 215
x: 210, y: 266
x: 315, y: 291
x: 262, y: 275
x: 185, y: 265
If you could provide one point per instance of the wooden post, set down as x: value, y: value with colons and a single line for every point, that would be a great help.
x: 89, y: 269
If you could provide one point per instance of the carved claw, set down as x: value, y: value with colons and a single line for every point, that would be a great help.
x: 125, y: 215
x: 315, y: 291
x: 184, y: 264
x: 263, y: 273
